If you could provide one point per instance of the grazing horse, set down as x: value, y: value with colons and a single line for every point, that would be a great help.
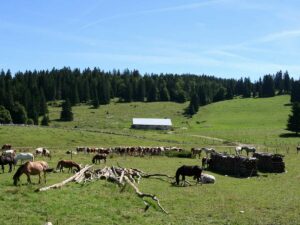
x: 98, y: 157
x: 188, y: 171
x: 247, y: 149
x: 43, y: 152
x: 4, y: 160
x: 196, y: 151
x: 24, y: 156
x: 31, y: 168
x: 67, y: 164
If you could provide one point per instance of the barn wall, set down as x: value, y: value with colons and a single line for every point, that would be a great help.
x: 151, y: 127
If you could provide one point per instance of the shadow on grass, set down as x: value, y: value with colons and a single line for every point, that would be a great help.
x: 288, y: 104
x: 289, y: 135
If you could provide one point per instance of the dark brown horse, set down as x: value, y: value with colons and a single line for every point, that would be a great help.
x: 31, y: 168
x: 6, y: 147
x: 188, y: 171
x: 67, y: 164
x: 4, y: 160
x: 98, y: 157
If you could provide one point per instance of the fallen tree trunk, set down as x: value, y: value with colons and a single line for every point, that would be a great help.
x: 119, y: 175
x: 143, y: 195
x: 73, y: 178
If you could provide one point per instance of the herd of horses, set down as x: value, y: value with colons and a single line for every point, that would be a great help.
x: 130, y: 150
x: 31, y: 167
x: 238, y: 150
x: 40, y: 168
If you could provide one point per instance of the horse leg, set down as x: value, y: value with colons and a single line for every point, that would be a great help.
x: 2, y: 168
x: 28, y: 179
x: 10, y: 167
x: 45, y: 177
x: 39, y: 178
x: 183, y: 179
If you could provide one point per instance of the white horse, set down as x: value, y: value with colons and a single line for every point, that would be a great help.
x: 208, y: 150
x: 10, y: 153
x: 196, y: 151
x: 239, y: 149
x: 38, y: 151
x: 43, y: 152
x: 207, y: 179
x: 24, y: 156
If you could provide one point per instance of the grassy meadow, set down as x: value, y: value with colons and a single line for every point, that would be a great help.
x: 267, y: 199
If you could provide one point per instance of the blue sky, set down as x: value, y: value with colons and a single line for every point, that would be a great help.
x: 225, y: 38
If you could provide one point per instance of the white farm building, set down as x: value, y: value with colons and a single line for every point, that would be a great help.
x: 151, y: 123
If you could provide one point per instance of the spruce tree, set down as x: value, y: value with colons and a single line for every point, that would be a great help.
x: 195, y: 102
x: 268, y: 87
x: 294, y: 119
x: 141, y: 90
x: 287, y: 82
x: 66, y: 113
x: 43, y: 104
x: 45, y: 120
x: 152, y: 93
x: 18, y: 114
x: 295, y: 94
x: 96, y: 103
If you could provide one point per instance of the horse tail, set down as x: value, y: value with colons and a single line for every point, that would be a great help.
x: 178, y: 172
x: 49, y: 170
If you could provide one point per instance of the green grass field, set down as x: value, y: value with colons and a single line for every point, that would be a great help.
x: 267, y: 199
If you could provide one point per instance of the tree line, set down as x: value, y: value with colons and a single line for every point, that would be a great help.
x: 24, y: 96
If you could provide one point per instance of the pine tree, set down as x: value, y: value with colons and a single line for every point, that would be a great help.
x: 287, y: 82
x: 268, y: 88
x: 247, y: 88
x: 141, y: 90
x: 194, y: 105
x: 195, y: 102
x: 45, y: 120
x: 202, y: 97
x: 96, y: 103
x: 294, y: 119
x: 295, y: 94
x: 220, y: 95
x: 43, y: 104
x: 66, y: 113
x: 19, y: 114
x: 152, y: 93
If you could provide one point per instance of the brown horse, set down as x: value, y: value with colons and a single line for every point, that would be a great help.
x: 188, y: 171
x: 32, y: 168
x: 98, y: 157
x: 67, y: 164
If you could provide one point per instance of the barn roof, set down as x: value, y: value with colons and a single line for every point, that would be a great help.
x: 151, y: 121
